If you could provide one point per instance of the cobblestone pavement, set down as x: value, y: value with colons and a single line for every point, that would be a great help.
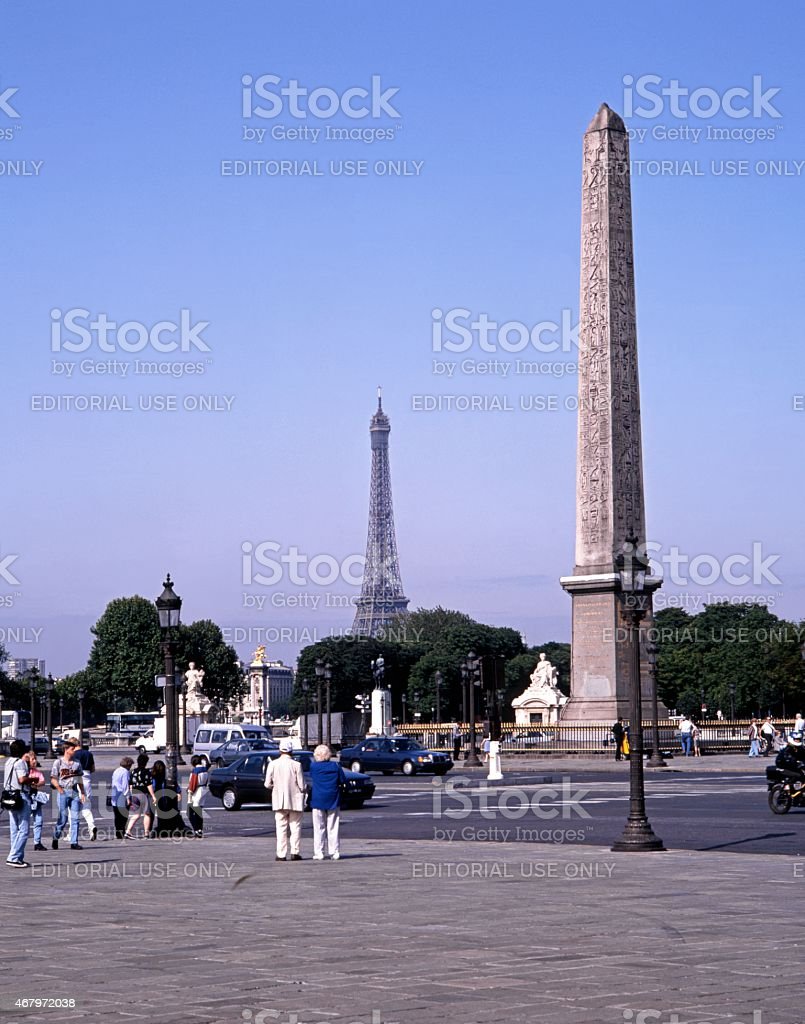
x: 217, y: 931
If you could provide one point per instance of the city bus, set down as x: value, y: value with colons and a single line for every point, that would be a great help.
x: 131, y: 723
x: 16, y: 725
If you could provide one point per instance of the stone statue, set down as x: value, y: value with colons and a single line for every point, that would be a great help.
x: 544, y: 675
x: 197, y: 703
x: 542, y: 701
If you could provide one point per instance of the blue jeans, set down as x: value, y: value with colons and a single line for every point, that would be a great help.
x: 754, y: 748
x: 69, y: 801
x: 19, y: 823
x: 686, y: 739
x: 36, y: 821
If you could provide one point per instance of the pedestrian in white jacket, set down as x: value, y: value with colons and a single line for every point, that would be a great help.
x: 286, y: 780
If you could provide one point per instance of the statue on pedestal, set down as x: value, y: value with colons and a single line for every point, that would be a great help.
x: 197, y: 702
x: 542, y: 701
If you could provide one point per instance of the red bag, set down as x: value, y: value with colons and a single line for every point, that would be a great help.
x: 192, y: 784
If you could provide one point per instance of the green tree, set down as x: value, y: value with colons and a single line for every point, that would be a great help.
x: 125, y: 654
x: 417, y: 646
x: 729, y: 649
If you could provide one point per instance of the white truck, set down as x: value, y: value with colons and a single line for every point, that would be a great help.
x: 155, y: 740
x: 344, y: 729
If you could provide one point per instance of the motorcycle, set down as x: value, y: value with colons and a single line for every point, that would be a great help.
x: 786, y: 787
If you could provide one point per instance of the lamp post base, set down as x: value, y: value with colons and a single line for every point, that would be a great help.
x: 655, y: 762
x: 637, y: 837
x: 471, y: 760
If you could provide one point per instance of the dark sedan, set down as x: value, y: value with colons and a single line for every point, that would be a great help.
x: 242, y: 782
x: 230, y: 752
x: 398, y: 754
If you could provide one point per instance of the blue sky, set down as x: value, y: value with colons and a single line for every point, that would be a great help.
x: 317, y: 288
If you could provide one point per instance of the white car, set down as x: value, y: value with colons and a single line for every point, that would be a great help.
x: 146, y: 744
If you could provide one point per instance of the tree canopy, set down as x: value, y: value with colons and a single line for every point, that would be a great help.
x: 729, y: 656
x: 425, y: 642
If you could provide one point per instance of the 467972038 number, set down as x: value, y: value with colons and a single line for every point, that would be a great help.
x: 43, y: 1003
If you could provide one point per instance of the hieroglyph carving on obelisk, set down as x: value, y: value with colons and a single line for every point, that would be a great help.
x: 609, y: 474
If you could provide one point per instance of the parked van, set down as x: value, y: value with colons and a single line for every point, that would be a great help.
x: 214, y: 734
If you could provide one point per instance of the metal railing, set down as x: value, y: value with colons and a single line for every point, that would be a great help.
x: 589, y: 738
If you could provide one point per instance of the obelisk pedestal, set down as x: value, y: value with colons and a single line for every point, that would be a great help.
x: 609, y: 468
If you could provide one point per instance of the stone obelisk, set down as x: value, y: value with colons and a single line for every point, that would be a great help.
x: 609, y: 469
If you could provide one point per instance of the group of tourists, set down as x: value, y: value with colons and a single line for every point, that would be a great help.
x: 140, y: 793
x: 764, y: 736
x: 144, y: 805
x: 137, y: 793
x: 25, y: 793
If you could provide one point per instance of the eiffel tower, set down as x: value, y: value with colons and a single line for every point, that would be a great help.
x: 382, y: 593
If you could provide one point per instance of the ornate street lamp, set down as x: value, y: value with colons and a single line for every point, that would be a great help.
x: 185, y: 747
x: 32, y: 684
x: 732, y: 699
x: 264, y: 698
x: 328, y: 675
x: 439, y: 679
x: 404, y: 700
x: 363, y: 704
x: 260, y: 710
x: 49, y: 692
x: 305, y: 684
x: 470, y: 671
x: 655, y: 761
x: 61, y: 713
x: 637, y: 835
x: 81, y: 695
x: 319, y: 702
x: 169, y: 607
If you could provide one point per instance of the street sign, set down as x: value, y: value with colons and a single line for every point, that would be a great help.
x: 161, y: 681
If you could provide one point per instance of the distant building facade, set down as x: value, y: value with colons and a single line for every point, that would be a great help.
x: 271, y: 684
x: 16, y: 668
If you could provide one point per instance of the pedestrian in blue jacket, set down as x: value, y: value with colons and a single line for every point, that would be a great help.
x: 327, y: 779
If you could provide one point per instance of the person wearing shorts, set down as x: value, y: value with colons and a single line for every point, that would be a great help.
x: 143, y: 800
